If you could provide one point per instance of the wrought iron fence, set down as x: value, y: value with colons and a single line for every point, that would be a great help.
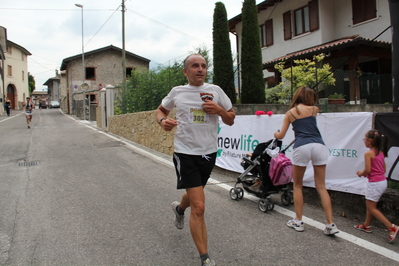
x: 374, y: 88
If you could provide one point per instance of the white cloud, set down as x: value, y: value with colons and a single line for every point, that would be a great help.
x: 159, y: 30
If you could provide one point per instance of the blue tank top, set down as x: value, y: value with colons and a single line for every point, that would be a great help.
x: 306, y: 131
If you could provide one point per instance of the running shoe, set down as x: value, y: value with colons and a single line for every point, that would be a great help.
x: 209, y: 262
x: 331, y: 229
x: 179, y: 219
x: 297, y: 225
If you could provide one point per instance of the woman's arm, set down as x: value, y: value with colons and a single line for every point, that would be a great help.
x: 284, y: 127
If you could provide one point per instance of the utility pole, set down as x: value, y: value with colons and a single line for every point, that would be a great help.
x: 123, y: 46
x: 394, y: 11
x: 83, y: 67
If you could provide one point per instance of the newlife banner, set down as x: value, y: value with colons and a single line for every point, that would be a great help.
x: 343, y: 135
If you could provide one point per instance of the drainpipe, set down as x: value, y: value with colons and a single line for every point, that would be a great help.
x: 238, y: 65
x: 394, y: 11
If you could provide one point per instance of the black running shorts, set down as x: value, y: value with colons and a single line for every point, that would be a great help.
x: 193, y: 170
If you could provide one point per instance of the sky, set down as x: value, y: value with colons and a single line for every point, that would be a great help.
x: 161, y: 31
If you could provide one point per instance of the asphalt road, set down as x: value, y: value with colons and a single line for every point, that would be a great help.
x: 71, y: 194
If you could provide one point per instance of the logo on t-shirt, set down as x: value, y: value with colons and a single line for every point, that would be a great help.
x: 206, y: 96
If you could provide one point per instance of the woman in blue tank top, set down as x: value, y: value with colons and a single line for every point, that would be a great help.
x: 309, y: 146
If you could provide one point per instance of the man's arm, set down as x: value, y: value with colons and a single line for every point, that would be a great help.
x: 161, y: 115
x: 211, y: 107
x: 228, y: 116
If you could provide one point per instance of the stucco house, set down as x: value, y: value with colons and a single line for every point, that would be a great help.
x: 16, y: 82
x: 354, y: 35
x: 53, y: 87
x: 40, y: 99
x: 101, y: 68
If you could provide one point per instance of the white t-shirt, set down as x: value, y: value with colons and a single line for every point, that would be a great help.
x: 196, y: 132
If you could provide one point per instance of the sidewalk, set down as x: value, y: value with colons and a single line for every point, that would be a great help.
x: 13, y: 113
x: 350, y: 206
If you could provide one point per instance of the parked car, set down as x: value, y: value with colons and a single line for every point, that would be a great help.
x: 54, y: 104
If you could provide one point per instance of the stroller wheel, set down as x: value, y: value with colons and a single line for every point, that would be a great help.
x: 286, y: 198
x: 233, y: 194
x: 270, y: 205
x: 263, y: 205
x: 240, y: 193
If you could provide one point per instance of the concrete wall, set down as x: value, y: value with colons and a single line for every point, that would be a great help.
x: 143, y: 129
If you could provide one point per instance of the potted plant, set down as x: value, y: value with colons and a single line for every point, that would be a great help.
x: 336, y: 98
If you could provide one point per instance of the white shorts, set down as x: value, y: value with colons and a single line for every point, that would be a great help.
x: 28, y: 113
x: 375, y: 190
x: 315, y: 152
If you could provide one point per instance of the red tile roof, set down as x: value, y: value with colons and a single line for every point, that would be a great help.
x: 327, y: 46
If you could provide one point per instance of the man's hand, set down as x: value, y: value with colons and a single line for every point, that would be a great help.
x: 168, y: 124
x: 210, y: 107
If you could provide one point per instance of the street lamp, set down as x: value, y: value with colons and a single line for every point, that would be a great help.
x: 83, y: 66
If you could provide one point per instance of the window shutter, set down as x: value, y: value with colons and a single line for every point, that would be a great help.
x: 287, y: 25
x: 370, y: 9
x: 363, y: 10
x: 314, y: 15
x: 269, y: 32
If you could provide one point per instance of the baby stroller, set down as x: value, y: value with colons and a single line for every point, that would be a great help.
x: 260, y: 183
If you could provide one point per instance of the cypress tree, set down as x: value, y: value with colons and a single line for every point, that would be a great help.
x: 253, y: 86
x: 222, y: 59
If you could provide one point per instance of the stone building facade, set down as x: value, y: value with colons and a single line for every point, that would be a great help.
x: 101, y: 67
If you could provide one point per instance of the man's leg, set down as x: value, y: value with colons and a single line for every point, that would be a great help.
x: 27, y: 120
x: 195, y: 198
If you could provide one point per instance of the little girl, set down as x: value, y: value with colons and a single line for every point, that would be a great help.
x: 374, y: 170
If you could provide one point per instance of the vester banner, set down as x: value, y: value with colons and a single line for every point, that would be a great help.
x: 342, y: 133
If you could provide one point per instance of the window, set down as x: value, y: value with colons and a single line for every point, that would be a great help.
x: 301, y: 20
x: 266, y: 33
x: 23, y: 75
x: 363, y: 10
x: 9, y: 71
x: 90, y: 73
x: 92, y: 98
x: 9, y: 49
x: 129, y: 71
x: 306, y: 19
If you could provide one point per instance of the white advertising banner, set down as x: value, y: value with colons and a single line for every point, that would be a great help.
x: 342, y: 133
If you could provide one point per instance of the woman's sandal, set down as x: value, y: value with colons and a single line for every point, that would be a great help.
x: 394, y: 229
x: 364, y: 228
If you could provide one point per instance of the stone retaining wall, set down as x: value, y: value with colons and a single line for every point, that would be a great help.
x: 143, y: 129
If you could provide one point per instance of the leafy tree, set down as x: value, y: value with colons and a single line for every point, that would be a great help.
x: 253, y: 86
x: 146, y: 88
x: 223, y: 73
x: 31, y: 81
x: 305, y: 72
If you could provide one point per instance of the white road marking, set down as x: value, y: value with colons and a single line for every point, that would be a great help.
x: 348, y: 237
